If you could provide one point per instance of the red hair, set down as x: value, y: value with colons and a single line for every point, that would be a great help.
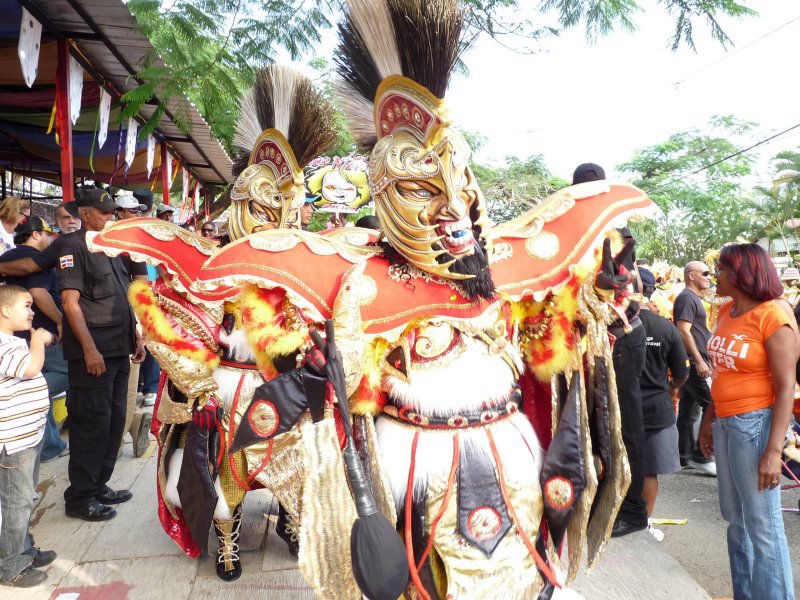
x: 752, y: 271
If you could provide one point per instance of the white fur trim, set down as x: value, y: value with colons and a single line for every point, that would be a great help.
x: 435, y: 452
x: 462, y: 386
x: 237, y: 345
x: 228, y: 381
x: 221, y: 510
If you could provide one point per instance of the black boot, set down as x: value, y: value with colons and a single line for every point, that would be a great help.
x: 286, y: 532
x: 229, y: 567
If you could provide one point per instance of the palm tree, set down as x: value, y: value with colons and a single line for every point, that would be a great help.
x: 774, y: 211
x: 787, y: 169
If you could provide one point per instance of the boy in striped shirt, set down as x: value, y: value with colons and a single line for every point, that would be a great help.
x: 24, y: 403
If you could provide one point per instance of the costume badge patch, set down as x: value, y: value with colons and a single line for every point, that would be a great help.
x: 67, y: 261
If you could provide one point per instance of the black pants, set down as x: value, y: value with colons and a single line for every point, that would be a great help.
x: 629, y: 354
x: 695, y: 398
x: 96, y: 407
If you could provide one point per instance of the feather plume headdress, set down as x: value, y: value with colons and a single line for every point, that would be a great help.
x: 283, y: 109
x: 394, y: 60
x: 284, y: 125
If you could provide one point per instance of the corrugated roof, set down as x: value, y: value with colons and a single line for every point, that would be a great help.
x: 107, y: 35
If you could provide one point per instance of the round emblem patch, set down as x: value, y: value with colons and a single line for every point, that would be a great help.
x: 263, y: 418
x: 483, y: 523
x: 558, y: 492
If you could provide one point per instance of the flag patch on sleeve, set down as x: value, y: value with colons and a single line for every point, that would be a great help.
x: 67, y: 261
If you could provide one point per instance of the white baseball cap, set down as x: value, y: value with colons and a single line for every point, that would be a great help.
x: 129, y: 202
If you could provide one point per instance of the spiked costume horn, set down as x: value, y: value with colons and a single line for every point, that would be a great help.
x: 284, y: 124
x: 394, y: 61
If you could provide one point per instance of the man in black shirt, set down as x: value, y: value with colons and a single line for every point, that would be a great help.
x: 664, y: 355
x: 31, y: 237
x: 99, y: 338
x: 690, y: 318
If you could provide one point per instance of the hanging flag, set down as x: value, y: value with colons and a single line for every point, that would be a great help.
x: 151, y: 153
x: 185, y: 191
x: 75, y: 89
x: 197, y: 196
x: 169, y: 168
x: 30, y: 36
x: 105, y: 110
x: 130, y: 141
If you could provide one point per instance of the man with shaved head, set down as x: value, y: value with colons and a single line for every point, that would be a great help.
x: 690, y: 317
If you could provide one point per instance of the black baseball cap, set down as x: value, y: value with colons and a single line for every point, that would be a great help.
x: 144, y: 197
x: 29, y: 225
x: 89, y: 195
x: 587, y: 172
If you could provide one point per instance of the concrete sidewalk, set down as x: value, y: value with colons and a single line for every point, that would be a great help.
x: 130, y: 557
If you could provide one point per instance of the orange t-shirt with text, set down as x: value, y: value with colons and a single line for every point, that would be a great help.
x: 742, y: 375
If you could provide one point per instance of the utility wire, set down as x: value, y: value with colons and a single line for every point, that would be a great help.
x: 727, y: 56
x: 732, y: 155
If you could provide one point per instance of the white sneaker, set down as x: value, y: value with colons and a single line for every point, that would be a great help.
x: 656, y: 533
x: 149, y: 399
x: 707, y: 468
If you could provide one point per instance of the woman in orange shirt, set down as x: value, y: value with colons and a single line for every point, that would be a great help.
x: 753, y: 350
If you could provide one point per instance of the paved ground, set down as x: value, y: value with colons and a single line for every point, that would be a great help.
x: 700, y: 546
x: 131, y: 558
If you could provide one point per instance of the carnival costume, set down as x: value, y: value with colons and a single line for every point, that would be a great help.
x: 482, y: 418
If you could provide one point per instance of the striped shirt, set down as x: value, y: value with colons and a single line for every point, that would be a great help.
x: 24, y: 401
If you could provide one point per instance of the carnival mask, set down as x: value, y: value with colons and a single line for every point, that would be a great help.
x: 340, y: 190
x: 269, y: 193
x: 426, y: 197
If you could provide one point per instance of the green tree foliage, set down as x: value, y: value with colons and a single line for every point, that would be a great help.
x: 703, y: 207
x: 773, y: 212
x: 210, y: 48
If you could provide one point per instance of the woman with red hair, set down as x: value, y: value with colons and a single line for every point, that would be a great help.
x: 753, y: 350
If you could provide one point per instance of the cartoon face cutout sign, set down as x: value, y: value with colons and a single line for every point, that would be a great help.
x: 341, y: 184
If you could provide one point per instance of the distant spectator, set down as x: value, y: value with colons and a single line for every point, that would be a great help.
x: 10, y: 217
x: 307, y: 211
x: 66, y: 221
x: 208, y: 230
x: 128, y: 207
x: 23, y: 412
x: 145, y: 198
x: 369, y: 222
x: 753, y: 351
x: 587, y: 172
x: 165, y: 213
x: 691, y: 319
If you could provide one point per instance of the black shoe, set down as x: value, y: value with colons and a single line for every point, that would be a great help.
x: 91, y: 511
x: 624, y: 528
x: 110, y: 496
x: 285, y: 532
x: 28, y: 577
x: 42, y: 558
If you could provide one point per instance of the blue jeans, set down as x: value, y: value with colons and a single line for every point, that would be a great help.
x: 55, y: 374
x: 757, y: 548
x: 149, y: 374
x: 16, y: 504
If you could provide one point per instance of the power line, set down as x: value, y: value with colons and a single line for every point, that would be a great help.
x: 735, y: 52
x: 732, y: 155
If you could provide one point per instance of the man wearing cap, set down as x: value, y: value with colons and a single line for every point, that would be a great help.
x: 128, y: 207
x: 31, y: 237
x: 307, y: 211
x: 145, y: 198
x: 99, y: 337
x: 165, y: 213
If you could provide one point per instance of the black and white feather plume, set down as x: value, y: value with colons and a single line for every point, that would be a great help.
x: 420, y: 39
x: 284, y: 99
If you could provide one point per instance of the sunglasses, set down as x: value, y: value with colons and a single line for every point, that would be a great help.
x: 207, y: 230
x: 704, y: 273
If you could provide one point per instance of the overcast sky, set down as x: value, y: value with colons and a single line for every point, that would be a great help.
x: 576, y: 102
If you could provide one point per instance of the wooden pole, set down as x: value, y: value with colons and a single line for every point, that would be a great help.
x: 64, y: 122
x: 164, y: 178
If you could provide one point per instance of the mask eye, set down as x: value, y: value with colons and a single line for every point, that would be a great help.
x: 423, y: 193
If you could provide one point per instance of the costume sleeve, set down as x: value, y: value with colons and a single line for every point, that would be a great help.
x: 677, y: 360
x: 684, y: 309
x: 137, y: 268
x: 14, y: 359
x: 70, y: 266
x: 774, y: 318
